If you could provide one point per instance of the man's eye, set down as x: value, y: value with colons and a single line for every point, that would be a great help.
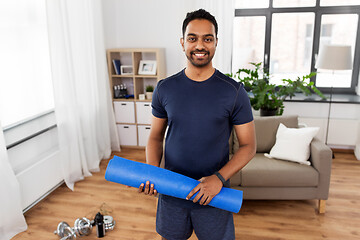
x: 208, y: 39
x: 191, y: 39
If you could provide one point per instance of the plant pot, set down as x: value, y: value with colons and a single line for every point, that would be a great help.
x: 264, y: 112
x: 149, y: 95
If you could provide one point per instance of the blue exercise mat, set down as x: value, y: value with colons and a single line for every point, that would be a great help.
x: 131, y: 173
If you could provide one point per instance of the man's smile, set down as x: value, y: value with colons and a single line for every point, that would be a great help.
x: 200, y: 54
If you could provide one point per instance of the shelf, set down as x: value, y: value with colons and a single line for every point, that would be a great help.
x: 131, y: 100
x: 122, y: 123
x: 137, y: 76
x: 123, y: 76
x: 124, y: 99
x: 146, y: 76
x: 136, y: 84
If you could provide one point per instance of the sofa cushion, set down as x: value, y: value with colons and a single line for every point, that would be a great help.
x: 266, y: 128
x: 293, y: 144
x: 264, y: 172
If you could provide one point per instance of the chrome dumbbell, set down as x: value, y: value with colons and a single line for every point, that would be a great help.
x: 82, y: 227
x: 109, y: 223
x: 65, y: 231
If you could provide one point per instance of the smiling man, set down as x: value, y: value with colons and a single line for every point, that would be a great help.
x: 201, y: 106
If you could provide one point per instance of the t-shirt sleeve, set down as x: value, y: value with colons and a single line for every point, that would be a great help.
x: 158, y: 110
x: 242, y: 112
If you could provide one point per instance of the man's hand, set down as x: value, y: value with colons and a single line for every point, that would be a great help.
x: 148, y: 190
x: 207, y: 189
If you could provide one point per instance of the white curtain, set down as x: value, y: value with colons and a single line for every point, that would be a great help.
x: 86, y: 124
x: 223, y: 11
x: 12, y: 220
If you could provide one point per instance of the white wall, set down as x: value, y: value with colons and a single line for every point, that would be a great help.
x: 149, y: 24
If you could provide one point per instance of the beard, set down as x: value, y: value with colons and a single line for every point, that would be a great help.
x: 199, y: 62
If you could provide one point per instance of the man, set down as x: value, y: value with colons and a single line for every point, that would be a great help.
x: 200, y: 106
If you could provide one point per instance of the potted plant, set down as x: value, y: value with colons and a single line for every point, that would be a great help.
x: 149, y: 91
x: 269, y: 98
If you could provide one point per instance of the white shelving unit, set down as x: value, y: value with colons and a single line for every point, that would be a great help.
x: 132, y: 115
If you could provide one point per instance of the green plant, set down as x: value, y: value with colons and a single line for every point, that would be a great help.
x: 149, y: 88
x: 266, y: 96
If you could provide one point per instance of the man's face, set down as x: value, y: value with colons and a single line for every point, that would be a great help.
x: 199, y: 42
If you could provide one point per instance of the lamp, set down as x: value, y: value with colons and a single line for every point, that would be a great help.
x: 333, y: 57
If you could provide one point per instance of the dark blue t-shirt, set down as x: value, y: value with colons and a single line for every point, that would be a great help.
x: 200, y: 119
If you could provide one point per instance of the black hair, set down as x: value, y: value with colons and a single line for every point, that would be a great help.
x: 199, y: 14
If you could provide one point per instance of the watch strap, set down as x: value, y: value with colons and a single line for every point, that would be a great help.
x: 222, y: 179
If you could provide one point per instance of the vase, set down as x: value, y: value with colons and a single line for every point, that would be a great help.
x: 264, y: 112
x: 149, y: 95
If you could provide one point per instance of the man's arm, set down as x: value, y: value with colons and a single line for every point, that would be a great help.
x: 247, y: 149
x: 210, y: 186
x: 154, y: 149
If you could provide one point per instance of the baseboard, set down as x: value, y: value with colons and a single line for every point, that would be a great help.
x: 43, y: 196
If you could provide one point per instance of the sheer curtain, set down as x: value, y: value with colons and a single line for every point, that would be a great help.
x: 224, y: 14
x: 86, y: 124
x: 12, y: 220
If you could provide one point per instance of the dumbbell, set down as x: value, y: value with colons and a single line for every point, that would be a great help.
x: 109, y: 223
x: 82, y: 227
x: 65, y: 231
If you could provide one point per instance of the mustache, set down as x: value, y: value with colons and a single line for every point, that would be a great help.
x: 198, y: 51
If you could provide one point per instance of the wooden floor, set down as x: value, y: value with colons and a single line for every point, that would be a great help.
x: 135, y: 213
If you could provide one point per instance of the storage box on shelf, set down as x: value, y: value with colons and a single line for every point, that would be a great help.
x: 133, y: 114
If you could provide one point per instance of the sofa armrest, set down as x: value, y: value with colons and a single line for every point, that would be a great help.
x: 321, y: 158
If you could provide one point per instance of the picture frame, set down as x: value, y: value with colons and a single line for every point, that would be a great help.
x: 126, y: 69
x: 147, y: 67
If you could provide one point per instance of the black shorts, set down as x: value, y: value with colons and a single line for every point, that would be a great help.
x: 177, y: 218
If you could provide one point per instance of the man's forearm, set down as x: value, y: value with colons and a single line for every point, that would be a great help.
x: 154, y: 151
x: 210, y: 186
x: 238, y: 161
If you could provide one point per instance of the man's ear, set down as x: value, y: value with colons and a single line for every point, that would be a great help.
x: 216, y: 42
x: 182, y: 43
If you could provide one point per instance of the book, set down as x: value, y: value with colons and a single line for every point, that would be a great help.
x: 117, y: 64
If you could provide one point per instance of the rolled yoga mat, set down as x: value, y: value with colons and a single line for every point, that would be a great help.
x: 131, y: 173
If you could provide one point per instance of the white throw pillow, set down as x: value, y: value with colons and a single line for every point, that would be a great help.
x: 293, y: 144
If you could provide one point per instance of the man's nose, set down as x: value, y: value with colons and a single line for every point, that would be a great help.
x: 200, y: 45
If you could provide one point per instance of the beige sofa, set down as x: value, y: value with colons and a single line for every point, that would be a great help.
x: 265, y: 178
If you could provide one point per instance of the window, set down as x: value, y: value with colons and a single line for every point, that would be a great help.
x: 287, y: 3
x: 249, y: 41
x: 339, y: 2
x: 293, y: 32
x: 290, y: 56
x: 337, y: 29
x: 251, y: 3
x: 25, y: 78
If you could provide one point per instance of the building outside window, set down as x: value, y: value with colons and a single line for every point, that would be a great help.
x: 287, y: 35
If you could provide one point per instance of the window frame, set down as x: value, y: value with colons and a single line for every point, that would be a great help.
x: 318, y: 11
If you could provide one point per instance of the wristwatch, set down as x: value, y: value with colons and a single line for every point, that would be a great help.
x: 222, y: 179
